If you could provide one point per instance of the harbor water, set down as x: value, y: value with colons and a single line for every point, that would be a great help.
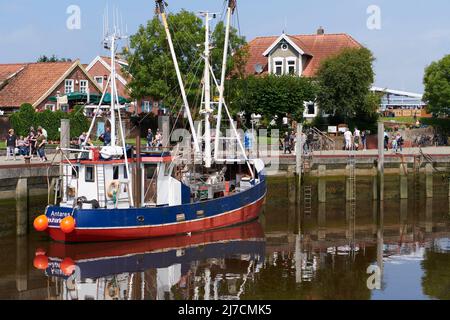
x: 296, y: 251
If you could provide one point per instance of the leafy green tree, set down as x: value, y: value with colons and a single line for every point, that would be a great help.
x: 273, y: 96
x: 78, y: 122
x: 151, y: 65
x: 53, y: 58
x: 437, y: 87
x: 344, y: 87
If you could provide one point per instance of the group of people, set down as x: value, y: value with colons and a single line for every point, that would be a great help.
x: 397, y: 142
x: 29, y: 146
x: 154, y: 141
x: 356, y: 140
x: 289, y: 142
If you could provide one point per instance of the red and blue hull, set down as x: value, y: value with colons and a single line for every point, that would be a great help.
x: 141, y: 223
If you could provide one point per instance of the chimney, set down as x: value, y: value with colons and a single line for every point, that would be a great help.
x: 321, y: 31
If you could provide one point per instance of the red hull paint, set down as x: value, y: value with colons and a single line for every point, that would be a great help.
x: 117, y: 249
x: 242, y: 215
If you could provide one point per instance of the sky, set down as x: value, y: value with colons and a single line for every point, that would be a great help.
x: 410, y: 36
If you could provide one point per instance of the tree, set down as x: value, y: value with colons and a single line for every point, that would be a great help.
x: 344, y: 87
x: 53, y: 58
x: 437, y: 87
x: 78, y: 121
x: 273, y: 96
x: 150, y: 62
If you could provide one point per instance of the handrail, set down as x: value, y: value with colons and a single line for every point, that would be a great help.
x: 323, y: 135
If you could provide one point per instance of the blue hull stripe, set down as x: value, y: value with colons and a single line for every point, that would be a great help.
x: 157, y: 216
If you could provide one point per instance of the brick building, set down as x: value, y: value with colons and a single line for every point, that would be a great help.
x: 100, y: 69
x: 36, y: 83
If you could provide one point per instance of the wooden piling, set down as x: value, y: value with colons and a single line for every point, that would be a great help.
x: 22, y: 207
x: 322, y: 184
x: 429, y: 180
x: 380, y: 173
x: 403, y: 181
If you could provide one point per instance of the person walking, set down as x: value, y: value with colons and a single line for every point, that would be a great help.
x: 41, y: 141
x: 348, y: 140
x: 364, y: 139
x: 398, y: 142
x: 158, y: 139
x: 357, y: 139
x: 287, y: 143
x: 386, y: 141
x: 11, y: 144
x: 150, y: 138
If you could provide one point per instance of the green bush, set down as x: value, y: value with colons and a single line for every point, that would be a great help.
x: 27, y: 117
x: 22, y: 120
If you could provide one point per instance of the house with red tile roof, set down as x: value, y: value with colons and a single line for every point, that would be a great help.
x: 100, y: 69
x: 36, y: 83
x: 299, y: 55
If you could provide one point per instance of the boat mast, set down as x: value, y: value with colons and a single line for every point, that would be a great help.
x: 207, y: 111
x: 160, y: 8
x: 113, y: 90
x: 230, y: 10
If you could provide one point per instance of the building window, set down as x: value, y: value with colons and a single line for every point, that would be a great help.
x: 284, y: 46
x: 84, y: 86
x: 99, y: 81
x: 69, y: 86
x: 50, y: 107
x: 146, y: 106
x: 291, y: 67
x: 279, y: 68
x: 311, y: 108
x: 90, y: 177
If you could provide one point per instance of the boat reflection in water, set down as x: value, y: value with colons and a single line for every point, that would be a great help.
x: 211, y: 265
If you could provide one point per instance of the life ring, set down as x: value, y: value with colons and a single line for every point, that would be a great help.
x: 113, y: 189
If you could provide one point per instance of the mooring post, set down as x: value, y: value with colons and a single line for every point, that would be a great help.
x: 403, y: 181
x: 322, y: 184
x: 375, y: 182
x: 298, y: 154
x: 22, y: 207
x: 322, y: 222
x: 165, y: 130
x: 380, y: 174
x: 429, y: 180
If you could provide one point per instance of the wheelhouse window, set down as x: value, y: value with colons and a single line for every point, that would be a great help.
x: 116, y: 173
x: 75, y: 172
x: 84, y: 86
x: 69, y: 86
x: 90, y: 174
x: 279, y: 68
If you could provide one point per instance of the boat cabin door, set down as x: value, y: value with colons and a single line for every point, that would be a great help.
x: 150, y: 184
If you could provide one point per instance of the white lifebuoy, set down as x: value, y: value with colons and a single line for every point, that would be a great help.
x: 113, y: 188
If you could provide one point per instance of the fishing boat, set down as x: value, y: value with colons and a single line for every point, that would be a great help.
x: 122, y: 270
x: 113, y: 193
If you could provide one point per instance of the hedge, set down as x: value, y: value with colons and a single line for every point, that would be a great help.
x: 27, y: 117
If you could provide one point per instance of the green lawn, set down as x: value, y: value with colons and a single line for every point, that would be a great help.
x: 400, y: 119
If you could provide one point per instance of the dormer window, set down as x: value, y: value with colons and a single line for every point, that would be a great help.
x: 291, y: 68
x: 279, y: 67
